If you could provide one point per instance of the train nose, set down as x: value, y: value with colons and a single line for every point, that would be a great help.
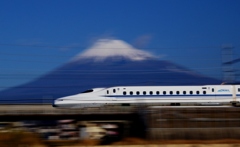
x: 56, y: 102
x: 54, y: 105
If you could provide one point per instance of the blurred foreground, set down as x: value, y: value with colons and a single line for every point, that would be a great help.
x: 44, y: 126
x: 16, y: 139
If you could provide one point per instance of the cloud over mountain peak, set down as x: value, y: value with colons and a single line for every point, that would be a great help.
x: 105, y: 48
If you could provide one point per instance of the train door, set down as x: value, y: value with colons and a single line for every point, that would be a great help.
x: 111, y: 94
x: 236, y: 93
x: 212, y: 92
x: 114, y: 93
x: 207, y: 93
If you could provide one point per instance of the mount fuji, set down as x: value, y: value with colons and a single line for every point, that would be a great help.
x: 107, y: 63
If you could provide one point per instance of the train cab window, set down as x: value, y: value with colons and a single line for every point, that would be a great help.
x: 87, y: 91
x: 184, y: 92
x: 124, y: 92
x: 171, y: 92
x: 114, y: 90
x: 177, y: 92
x: 150, y: 92
x: 197, y: 92
x: 137, y: 92
x: 191, y: 92
x: 164, y: 92
x: 144, y: 92
x: 131, y: 93
x: 204, y: 92
x: 157, y: 92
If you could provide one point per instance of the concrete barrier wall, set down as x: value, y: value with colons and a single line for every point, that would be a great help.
x: 193, y: 123
x: 193, y: 133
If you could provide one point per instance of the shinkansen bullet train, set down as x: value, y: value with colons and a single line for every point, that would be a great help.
x: 152, y: 95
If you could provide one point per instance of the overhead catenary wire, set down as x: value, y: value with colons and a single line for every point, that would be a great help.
x: 96, y: 72
x: 61, y: 56
x: 81, y: 47
x: 146, y: 83
x: 28, y: 72
x: 89, y: 78
x: 46, y: 61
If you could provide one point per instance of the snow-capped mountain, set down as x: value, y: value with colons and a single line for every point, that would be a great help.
x: 106, y: 48
x: 106, y: 63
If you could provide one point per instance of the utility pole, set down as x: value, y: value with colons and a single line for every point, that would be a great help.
x: 227, y: 64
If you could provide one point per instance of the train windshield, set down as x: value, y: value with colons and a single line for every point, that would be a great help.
x: 87, y: 91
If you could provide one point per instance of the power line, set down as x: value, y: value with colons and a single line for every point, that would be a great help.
x: 30, y: 61
x: 57, y: 61
x: 81, y: 47
x: 39, y: 46
x: 63, y: 78
x: 111, y: 71
x: 79, y: 86
x: 63, y: 56
x: 31, y: 55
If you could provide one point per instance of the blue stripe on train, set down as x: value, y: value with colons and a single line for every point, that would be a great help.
x: 134, y: 96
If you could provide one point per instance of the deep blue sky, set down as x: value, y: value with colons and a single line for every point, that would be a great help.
x: 37, y: 36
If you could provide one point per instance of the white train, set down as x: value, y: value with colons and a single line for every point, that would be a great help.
x: 153, y: 95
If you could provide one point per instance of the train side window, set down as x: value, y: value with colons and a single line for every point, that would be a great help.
x: 212, y: 89
x: 204, y: 92
x: 157, y: 92
x: 144, y: 92
x: 124, y: 92
x: 184, y: 92
x: 164, y: 92
x: 177, y: 92
x: 197, y: 92
x: 114, y: 90
x: 171, y: 92
x: 238, y: 89
x: 107, y: 92
x: 191, y: 92
x: 131, y: 93
x: 150, y: 92
x: 138, y: 92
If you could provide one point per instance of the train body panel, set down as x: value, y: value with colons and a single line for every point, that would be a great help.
x: 99, y: 97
